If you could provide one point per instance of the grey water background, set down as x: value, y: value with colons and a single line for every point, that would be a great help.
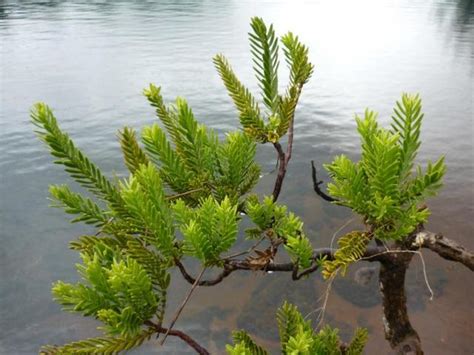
x: 90, y: 62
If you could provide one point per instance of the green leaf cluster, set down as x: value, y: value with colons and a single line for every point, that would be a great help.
x: 125, y: 264
x: 116, y: 290
x: 382, y: 186
x: 147, y: 209
x: 193, y: 162
x: 274, y: 221
x: 209, y: 230
x: 280, y: 108
x: 297, y: 337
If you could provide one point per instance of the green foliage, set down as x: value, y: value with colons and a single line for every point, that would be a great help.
x: 117, y: 290
x: 148, y: 209
x: 249, y: 111
x: 103, y: 345
x: 73, y: 203
x: 134, y: 156
x: 381, y: 186
x: 209, y: 230
x: 297, y: 337
x: 281, y: 108
x: 290, y: 324
x: 274, y: 221
x: 351, y: 248
x: 296, y: 55
x: 264, y: 47
x: 75, y: 162
x: 357, y: 344
x: 186, y: 189
x: 198, y: 164
x: 244, y: 345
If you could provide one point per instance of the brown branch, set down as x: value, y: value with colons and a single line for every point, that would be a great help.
x: 178, y: 333
x: 371, y: 254
x: 282, y: 165
x: 446, y: 248
x: 316, y: 184
x: 289, y: 147
x: 226, y: 272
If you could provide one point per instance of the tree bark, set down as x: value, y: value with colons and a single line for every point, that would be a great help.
x: 402, y: 337
x: 446, y: 248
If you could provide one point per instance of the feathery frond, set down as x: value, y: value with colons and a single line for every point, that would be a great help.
x: 351, y: 248
x: 169, y: 120
x: 280, y: 109
x: 75, y: 162
x: 357, y: 344
x: 103, y: 345
x: 116, y: 291
x: 290, y: 323
x: 73, y: 203
x: 297, y: 58
x: 249, y: 112
x: 209, y: 230
x: 244, y: 345
x: 144, y: 199
x: 172, y: 170
x: 264, y: 48
x: 134, y: 156
x: 406, y: 123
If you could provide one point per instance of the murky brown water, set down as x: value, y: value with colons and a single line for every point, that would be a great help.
x: 90, y: 61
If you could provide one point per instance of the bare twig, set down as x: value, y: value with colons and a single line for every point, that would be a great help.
x: 172, y: 197
x: 248, y: 251
x: 339, y: 230
x: 180, y: 309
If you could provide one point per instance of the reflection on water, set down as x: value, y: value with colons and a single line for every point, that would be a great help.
x: 90, y: 61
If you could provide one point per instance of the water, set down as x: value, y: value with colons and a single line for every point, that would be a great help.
x: 90, y: 62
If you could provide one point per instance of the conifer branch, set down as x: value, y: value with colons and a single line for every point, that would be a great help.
x: 79, y: 167
x: 134, y: 156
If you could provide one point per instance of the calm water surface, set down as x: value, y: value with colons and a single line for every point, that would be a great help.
x: 90, y: 62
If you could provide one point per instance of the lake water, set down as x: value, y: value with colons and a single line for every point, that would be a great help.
x: 90, y: 62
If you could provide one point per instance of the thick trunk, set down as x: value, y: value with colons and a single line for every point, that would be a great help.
x: 398, y: 330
